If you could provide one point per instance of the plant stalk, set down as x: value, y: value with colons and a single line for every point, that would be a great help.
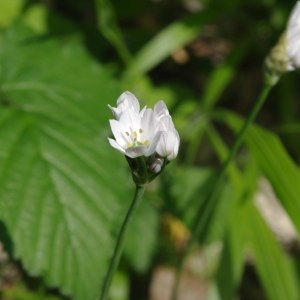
x: 139, y: 190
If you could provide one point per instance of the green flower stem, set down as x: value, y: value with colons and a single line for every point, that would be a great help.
x: 201, y: 223
x: 139, y: 191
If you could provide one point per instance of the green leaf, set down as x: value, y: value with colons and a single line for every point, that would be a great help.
x: 279, y: 168
x: 274, y: 270
x: 276, y: 164
x: 62, y: 189
x: 189, y: 189
x: 167, y: 41
x: 9, y: 11
x: 119, y: 287
x: 181, y: 200
x: 230, y: 269
x: 36, y: 16
x: 232, y: 259
x: 248, y: 231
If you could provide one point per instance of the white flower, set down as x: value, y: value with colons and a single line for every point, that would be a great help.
x: 293, y: 39
x: 143, y: 133
x: 135, y: 133
x: 285, y: 55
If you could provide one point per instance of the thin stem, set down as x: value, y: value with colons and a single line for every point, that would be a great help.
x: 239, y: 139
x: 201, y: 221
x: 139, y: 190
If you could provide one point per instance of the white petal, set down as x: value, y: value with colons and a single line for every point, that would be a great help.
x: 136, y: 151
x: 130, y: 120
x: 119, y: 133
x: 293, y: 47
x: 166, y: 124
x: 168, y: 145
x: 116, y: 111
x: 160, y: 109
x: 148, y: 125
x: 293, y: 38
x: 114, y: 144
x: 143, y: 111
x: 128, y: 100
x: 294, y: 19
x: 152, y: 148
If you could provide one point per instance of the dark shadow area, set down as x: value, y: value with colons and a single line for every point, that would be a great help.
x: 5, y: 239
x: 250, y: 287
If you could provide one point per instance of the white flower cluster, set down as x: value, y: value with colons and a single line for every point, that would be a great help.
x: 293, y: 39
x: 144, y: 132
x: 285, y: 56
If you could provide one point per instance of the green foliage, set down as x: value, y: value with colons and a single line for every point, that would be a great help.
x: 273, y: 268
x: 166, y: 42
x: 9, y: 11
x: 64, y: 193
x: 189, y: 189
x: 276, y: 165
x: 21, y: 293
x: 110, y: 28
x: 58, y: 199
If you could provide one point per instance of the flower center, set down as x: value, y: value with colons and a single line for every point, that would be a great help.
x: 135, y: 138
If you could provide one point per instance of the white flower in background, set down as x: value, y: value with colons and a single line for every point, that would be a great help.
x: 143, y: 133
x: 285, y: 56
x: 293, y: 39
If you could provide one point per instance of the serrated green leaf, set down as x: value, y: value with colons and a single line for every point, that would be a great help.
x: 62, y: 189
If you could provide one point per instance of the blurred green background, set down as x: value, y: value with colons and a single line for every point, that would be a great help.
x: 64, y: 192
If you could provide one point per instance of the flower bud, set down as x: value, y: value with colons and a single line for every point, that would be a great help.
x: 168, y: 145
x: 156, y: 165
